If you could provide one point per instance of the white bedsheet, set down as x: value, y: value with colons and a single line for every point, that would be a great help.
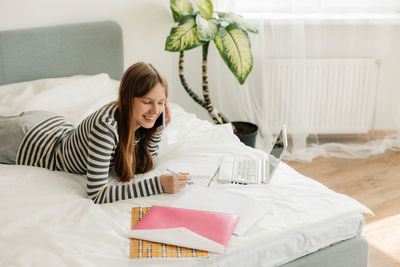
x: 47, y: 220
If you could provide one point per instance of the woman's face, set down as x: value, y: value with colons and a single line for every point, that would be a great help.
x: 147, y: 108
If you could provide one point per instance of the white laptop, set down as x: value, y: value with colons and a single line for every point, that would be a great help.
x: 243, y: 170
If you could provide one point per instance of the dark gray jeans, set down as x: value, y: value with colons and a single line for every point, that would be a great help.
x: 13, y: 130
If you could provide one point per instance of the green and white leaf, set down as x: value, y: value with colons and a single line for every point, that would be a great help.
x: 231, y: 18
x: 218, y: 44
x: 207, y: 29
x: 206, y: 8
x: 180, y: 8
x: 233, y: 45
x: 184, y: 36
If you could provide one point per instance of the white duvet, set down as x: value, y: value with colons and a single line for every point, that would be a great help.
x: 47, y: 220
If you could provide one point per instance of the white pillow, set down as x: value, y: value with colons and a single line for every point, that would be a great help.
x: 74, y: 97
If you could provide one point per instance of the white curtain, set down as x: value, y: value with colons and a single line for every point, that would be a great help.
x: 304, y: 30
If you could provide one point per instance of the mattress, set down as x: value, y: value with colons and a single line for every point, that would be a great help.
x: 46, y: 218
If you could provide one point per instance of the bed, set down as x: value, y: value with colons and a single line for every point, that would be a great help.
x: 47, y: 220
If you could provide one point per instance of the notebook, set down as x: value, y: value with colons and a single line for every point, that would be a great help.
x: 199, y: 229
x: 242, y: 170
x: 142, y: 249
x: 200, y: 173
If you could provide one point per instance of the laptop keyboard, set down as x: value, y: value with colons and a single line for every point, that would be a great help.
x: 242, y: 170
x: 247, y: 171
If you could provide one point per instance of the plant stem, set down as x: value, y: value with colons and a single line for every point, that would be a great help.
x: 204, y: 74
x: 217, y: 117
x: 184, y: 83
x: 206, y: 93
x: 224, y: 119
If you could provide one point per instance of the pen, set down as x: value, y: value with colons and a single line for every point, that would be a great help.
x: 215, y: 173
x: 171, y: 171
x: 212, y: 178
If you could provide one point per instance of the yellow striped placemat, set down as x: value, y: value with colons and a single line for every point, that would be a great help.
x: 141, y: 249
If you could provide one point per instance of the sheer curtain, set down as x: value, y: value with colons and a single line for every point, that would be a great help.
x: 302, y: 32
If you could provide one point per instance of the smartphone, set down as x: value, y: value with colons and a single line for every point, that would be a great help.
x: 163, y: 119
x: 160, y: 120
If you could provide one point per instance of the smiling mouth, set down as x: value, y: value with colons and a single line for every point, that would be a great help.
x: 150, y: 118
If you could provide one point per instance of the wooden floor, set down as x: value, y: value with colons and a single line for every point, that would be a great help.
x: 375, y: 182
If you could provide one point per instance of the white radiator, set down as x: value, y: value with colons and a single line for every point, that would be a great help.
x: 322, y: 96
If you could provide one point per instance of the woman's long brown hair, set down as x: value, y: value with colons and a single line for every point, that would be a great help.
x: 137, y: 81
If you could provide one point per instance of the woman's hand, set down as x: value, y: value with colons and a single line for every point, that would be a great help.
x: 171, y: 183
x: 167, y: 113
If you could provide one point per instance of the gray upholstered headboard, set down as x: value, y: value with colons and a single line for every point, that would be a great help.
x: 59, y: 51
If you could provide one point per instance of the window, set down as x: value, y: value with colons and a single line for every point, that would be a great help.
x: 313, y: 6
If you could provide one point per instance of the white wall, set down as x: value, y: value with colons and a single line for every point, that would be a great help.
x: 146, y: 24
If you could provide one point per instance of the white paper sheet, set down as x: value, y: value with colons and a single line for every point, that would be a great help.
x: 249, y: 210
x: 199, y: 169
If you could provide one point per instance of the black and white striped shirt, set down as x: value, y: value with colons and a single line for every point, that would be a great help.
x: 88, y: 149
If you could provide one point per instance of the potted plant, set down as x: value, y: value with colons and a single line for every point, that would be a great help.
x: 229, y: 32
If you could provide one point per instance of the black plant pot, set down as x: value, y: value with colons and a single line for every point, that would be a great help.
x: 246, y: 131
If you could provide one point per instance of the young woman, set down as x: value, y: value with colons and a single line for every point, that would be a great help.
x: 122, y: 134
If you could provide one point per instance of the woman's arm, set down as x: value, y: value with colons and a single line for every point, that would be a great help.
x: 101, y: 145
x: 102, y: 142
x: 154, y: 143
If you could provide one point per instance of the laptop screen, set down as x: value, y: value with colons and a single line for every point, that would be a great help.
x: 277, y: 151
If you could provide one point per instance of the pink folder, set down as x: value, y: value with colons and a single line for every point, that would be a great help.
x: 205, y: 230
